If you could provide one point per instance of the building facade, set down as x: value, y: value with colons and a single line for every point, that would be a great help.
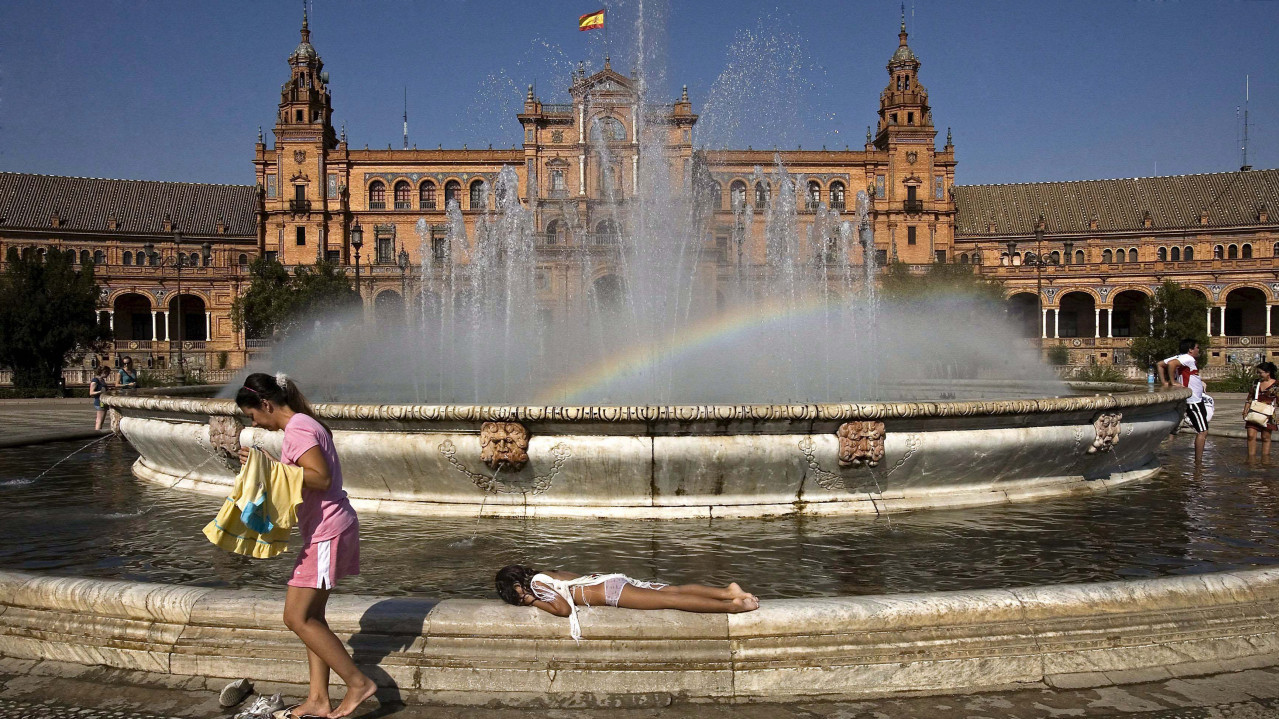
x: 1106, y: 243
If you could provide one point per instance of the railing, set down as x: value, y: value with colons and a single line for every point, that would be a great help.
x: 837, y: 206
x: 427, y: 205
x: 403, y: 205
x: 559, y: 194
x: 1245, y: 340
x: 298, y: 207
x: 132, y: 345
x: 557, y: 109
x: 377, y: 205
x: 70, y: 376
x: 914, y: 207
x: 256, y: 343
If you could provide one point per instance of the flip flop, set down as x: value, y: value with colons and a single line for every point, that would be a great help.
x: 287, y: 713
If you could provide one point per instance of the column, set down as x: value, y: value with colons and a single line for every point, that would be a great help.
x: 111, y: 321
x: 1221, y: 329
x: 1110, y: 322
x: 1096, y: 322
x: 208, y: 325
x: 581, y: 174
x: 153, y: 324
x: 1043, y: 324
x: 1208, y: 327
x: 1057, y: 323
x: 1268, y: 311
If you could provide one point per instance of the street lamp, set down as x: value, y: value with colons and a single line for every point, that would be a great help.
x: 1039, y: 262
x: 402, y: 259
x: 357, y: 241
x: 178, y: 260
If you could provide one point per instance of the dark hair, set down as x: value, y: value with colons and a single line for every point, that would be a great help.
x: 261, y: 386
x: 511, y: 576
x: 1268, y: 367
x: 103, y: 371
x: 1187, y: 345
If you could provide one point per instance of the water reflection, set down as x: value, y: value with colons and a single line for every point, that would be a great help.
x: 90, y: 517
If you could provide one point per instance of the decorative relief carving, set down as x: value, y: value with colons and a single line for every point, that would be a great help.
x: 539, y: 484
x: 113, y: 422
x: 914, y: 441
x: 860, y: 442
x: 299, y: 156
x: 557, y: 136
x: 829, y: 481
x: 504, y: 444
x: 1107, y: 426
x: 224, y: 436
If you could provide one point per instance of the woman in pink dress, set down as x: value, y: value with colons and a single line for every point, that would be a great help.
x: 330, y: 538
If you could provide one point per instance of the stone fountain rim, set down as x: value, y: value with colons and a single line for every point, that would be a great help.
x: 1127, y: 397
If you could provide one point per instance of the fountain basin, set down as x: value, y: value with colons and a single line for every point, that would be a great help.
x: 467, y: 651
x: 684, y: 461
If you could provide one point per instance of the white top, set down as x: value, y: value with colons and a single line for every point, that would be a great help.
x: 1189, y: 377
x: 546, y: 588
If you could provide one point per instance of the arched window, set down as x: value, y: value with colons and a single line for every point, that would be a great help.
x: 1246, y: 252
x: 99, y: 257
x: 1132, y: 255
x: 452, y: 193
x: 1079, y: 257
x: 761, y: 195
x: 1275, y: 250
x: 1218, y: 252
x: 1056, y: 257
x: 609, y: 180
x: 1163, y: 254
x: 554, y: 231
x: 151, y: 258
x: 837, y: 196
x: 377, y: 195
x: 814, y: 197
x: 402, y: 195
x: 963, y: 258
x: 606, y: 233
x: 1232, y: 253
x: 1189, y: 254
x: 477, y: 195
x: 243, y: 259
x: 608, y: 129
x: 1175, y: 254
x: 426, y: 196
x: 737, y: 194
x: 1106, y: 256
x: 84, y: 257
x: 193, y: 260
x: 128, y: 258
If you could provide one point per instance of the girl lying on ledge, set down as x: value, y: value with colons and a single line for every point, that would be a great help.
x: 560, y: 592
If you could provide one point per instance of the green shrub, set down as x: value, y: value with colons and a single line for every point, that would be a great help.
x: 1100, y: 373
x: 1058, y: 356
x: 1239, y: 378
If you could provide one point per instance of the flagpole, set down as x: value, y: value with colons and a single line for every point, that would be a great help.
x: 606, y: 35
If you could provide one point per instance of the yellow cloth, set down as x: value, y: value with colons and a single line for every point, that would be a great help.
x: 283, y: 493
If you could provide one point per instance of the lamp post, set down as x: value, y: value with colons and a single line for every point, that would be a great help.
x: 357, y: 241
x: 1038, y: 261
x: 178, y: 260
x: 402, y: 259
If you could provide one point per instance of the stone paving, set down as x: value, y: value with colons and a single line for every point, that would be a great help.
x: 53, y: 691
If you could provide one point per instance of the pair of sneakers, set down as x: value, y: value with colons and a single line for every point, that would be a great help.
x: 263, y: 707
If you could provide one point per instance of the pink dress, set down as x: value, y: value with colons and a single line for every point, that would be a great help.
x: 329, y: 527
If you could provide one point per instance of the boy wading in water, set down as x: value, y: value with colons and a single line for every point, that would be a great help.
x: 330, y: 539
x: 1184, y: 370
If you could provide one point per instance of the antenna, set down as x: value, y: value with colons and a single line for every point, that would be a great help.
x: 1246, y: 92
x: 406, y: 117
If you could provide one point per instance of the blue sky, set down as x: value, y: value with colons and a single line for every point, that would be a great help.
x: 170, y: 90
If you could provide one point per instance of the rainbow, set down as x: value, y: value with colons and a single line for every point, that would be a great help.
x: 687, y: 341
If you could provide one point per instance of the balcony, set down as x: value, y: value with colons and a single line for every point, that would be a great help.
x: 403, y: 205
x: 427, y: 205
x: 913, y: 207
x: 375, y: 205
x: 548, y: 109
x: 121, y: 345
x: 300, y: 207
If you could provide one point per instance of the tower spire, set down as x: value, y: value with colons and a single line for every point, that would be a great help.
x: 406, y: 117
x: 306, y: 29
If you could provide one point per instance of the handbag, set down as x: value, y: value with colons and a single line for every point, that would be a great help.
x: 1259, y: 413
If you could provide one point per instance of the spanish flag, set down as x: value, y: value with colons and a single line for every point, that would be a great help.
x: 591, y: 21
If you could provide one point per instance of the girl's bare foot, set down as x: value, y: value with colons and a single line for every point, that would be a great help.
x: 313, y: 707
x: 735, y: 591
x: 355, y: 695
x: 744, y: 604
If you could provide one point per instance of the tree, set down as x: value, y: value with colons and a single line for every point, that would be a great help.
x: 1163, y: 321
x: 941, y: 281
x: 277, y: 304
x: 48, y: 316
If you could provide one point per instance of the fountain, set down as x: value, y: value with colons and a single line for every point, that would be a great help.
x: 673, y: 390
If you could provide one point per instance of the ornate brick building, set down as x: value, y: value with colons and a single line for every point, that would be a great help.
x: 1110, y: 241
x: 579, y: 163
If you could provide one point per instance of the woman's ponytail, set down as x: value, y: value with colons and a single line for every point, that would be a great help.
x: 279, y: 389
